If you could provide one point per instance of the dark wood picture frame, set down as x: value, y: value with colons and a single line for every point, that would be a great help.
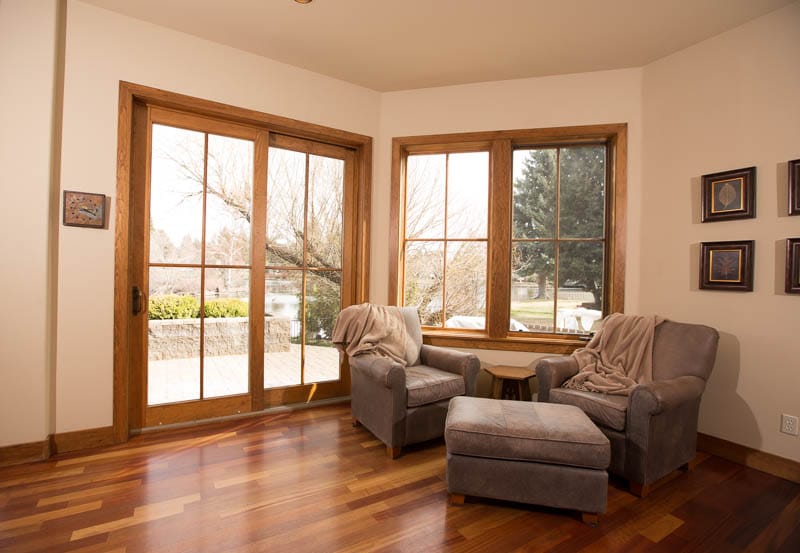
x: 793, y: 265
x: 794, y: 187
x: 727, y: 265
x: 84, y: 209
x: 729, y: 195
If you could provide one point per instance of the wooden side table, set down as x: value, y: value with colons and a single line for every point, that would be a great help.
x: 511, y: 382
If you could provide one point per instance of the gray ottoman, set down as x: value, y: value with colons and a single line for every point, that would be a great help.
x: 541, y: 453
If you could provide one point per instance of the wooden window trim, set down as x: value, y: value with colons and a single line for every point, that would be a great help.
x: 500, y: 145
x: 265, y: 126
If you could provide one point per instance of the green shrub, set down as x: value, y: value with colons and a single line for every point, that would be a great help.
x: 226, y: 307
x: 173, y: 307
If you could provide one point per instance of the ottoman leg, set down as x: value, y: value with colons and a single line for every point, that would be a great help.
x: 457, y: 499
x: 592, y: 519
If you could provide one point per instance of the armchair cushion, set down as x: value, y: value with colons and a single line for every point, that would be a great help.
x: 429, y: 385
x: 604, y: 409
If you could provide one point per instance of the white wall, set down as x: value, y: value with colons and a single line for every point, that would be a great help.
x: 727, y: 103
x: 582, y: 99
x: 27, y: 79
x: 102, y: 49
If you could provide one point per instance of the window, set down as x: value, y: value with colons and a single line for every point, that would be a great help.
x: 557, y: 237
x: 446, y: 238
x: 510, y: 239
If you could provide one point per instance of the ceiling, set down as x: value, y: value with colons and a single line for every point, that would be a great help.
x: 389, y: 45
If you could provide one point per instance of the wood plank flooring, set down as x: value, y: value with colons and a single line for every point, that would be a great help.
x: 309, y: 481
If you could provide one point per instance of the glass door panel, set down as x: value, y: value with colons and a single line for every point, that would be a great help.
x: 325, y: 196
x: 286, y: 193
x: 283, y: 296
x: 200, y: 208
x: 173, y: 352
x: 323, y: 298
x: 305, y: 236
x: 176, y: 195
x: 226, y: 332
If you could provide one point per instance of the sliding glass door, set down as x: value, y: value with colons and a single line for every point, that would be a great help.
x: 242, y: 238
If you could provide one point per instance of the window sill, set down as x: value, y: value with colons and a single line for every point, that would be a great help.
x: 514, y: 342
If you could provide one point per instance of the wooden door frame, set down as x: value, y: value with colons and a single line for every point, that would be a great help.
x: 131, y: 94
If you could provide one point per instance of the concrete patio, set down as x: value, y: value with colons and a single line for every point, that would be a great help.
x: 172, y: 380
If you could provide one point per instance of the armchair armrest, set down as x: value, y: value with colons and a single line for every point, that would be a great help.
x: 378, y: 397
x: 552, y: 372
x: 664, y: 395
x: 381, y: 370
x: 661, y: 427
x: 454, y: 361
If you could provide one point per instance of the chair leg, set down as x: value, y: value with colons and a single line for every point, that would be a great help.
x: 456, y: 499
x: 592, y: 519
x: 639, y: 490
x: 393, y: 452
x: 690, y: 465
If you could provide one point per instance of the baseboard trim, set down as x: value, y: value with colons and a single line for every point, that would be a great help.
x: 749, y: 457
x: 24, y: 453
x: 77, y: 440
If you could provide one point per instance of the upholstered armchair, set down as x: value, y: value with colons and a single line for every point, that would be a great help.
x: 653, y: 431
x: 405, y: 405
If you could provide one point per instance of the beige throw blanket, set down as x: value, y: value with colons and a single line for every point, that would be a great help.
x: 368, y: 328
x: 618, y: 357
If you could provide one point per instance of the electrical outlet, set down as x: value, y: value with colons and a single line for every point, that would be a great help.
x: 789, y: 424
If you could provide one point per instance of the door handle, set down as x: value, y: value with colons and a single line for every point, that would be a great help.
x: 138, y: 300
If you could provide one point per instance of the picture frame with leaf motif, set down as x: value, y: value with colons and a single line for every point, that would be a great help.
x: 794, y: 187
x: 793, y: 265
x: 727, y: 265
x: 84, y: 209
x: 729, y: 195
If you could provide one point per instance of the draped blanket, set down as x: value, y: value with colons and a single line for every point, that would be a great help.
x: 618, y: 357
x: 368, y: 328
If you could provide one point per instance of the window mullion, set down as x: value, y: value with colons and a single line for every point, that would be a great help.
x: 556, y: 238
x: 203, y: 270
x: 444, y: 237
x: 498, y: 257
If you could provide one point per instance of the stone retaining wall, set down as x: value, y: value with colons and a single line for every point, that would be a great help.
x: 180, y: 338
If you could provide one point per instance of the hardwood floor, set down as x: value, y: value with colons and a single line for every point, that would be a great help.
x: 309, y: 481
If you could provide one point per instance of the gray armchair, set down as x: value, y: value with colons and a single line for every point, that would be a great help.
x: 653, y: 431
x: 405, y: 405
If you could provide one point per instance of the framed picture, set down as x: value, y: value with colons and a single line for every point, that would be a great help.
x: 793, y: 265
x: 729, y: 195
x: 83, y: 209
x: 794, y: 187
x: 727, y: 265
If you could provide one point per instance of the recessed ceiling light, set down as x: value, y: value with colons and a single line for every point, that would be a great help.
x: 303, y: 1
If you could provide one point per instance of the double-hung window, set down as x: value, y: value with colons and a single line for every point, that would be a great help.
x: 510, y: 239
